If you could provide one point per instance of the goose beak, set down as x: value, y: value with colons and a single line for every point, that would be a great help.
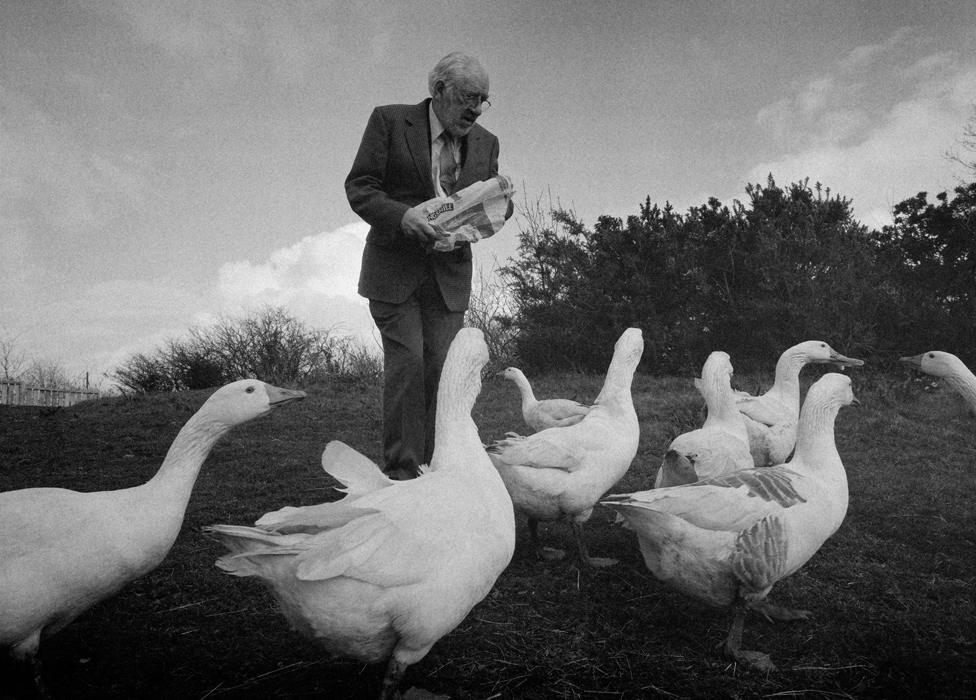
x: 843, y: 361
x: 913, y: 360
x: 279, y: 397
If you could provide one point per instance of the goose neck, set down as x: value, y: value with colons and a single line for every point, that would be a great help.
x: 788, y: 369
x: 964, y: 382
x: 456, y: 396
x: 815, y: 435
x: 720, y: 401
x: 524, y: 387
x: 616, y: 386
x: 186, y: 455
x: 453, y: 438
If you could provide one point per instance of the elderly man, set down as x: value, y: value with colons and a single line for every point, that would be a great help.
x: 417, y: 297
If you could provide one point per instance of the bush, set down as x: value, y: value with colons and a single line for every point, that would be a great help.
x: 272, y: 346
x: 789, y: 264
x: 490, y: 310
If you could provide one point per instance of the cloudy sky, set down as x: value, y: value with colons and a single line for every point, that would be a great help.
x: 163, y: 162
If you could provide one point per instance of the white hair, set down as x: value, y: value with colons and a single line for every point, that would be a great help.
x: 452, y: 68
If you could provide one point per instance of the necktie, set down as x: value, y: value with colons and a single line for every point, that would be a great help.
x: 447, y: 163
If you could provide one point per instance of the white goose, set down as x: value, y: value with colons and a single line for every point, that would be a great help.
x: 721, y: 445
x: 562, y: 472
x: 63, y: 551
x: 771, y: 417
x: 726, y: 541
x: 384, y: 573
x: 547, y: 413
x: 949, y: 367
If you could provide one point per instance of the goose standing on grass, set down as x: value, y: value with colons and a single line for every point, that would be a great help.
x: 721, y: 445
x: 562, y: 472
x: 946, y: 365
x: 385, y: 572
x: 63, y: 551
x: 547, y: 413
x: 726, y: 541
x: 771, y: 417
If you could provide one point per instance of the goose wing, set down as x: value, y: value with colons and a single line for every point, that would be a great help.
x: 731, y: 502
x: 390, y: 537
x: 552, y: 413
x: 356, y: 472
x: 763, y: 410
x: 553, y: 448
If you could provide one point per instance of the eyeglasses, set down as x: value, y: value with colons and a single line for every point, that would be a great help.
x: 473, y: 100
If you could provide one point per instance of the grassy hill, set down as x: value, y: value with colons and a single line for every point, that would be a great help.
x: 892, y: 592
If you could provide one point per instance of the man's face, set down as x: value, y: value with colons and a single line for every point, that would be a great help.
x: 459, y: 105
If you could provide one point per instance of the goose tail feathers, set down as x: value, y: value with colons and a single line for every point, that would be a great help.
x: 647, y: 521
x: 311, y: 519
x: 356, y: 472
x: 662, y: 534
x: 246, y: 542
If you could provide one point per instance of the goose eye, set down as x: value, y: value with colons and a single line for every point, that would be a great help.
x: 250, y: 390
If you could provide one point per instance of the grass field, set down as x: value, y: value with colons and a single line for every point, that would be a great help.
x: 892, y: 592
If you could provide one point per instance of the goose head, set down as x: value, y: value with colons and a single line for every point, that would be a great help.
x: 831, y: 391
x: 627, y: 353
x: 935, y: 362
x: 819, y: 352
x: 512, y: 374
x: 717, y: 370
x: 246, y: 399
x: 628, y: 349
x: 824, y: 399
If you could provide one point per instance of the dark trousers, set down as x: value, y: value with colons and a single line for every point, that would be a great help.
x: 416, y: 335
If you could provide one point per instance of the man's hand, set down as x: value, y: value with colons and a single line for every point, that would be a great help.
x: 415, y: 226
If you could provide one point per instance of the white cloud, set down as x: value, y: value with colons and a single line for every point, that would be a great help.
x: 895, y: 160
x: 315, y: 279
x: 862, y: 57
x: 100, y: 326
x: 813, y: 97
x: 876, y: 139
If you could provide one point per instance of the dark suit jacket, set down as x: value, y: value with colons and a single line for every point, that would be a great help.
x: 391, y: 174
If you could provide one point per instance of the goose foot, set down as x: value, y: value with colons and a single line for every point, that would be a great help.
x: 771, y: 611
x: 542, y: 552
x: 39, y: 685
x: 584, y: 553
x: 28, y: 672
x: 391, y: 680
x: 550, y: 553
x: 733, y: 643
x: 600, y: 562
x: 421, y: 694
x: 755, y: 660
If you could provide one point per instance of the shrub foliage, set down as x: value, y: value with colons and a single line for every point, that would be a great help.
x: 786, y: 265
x: 270, y: 345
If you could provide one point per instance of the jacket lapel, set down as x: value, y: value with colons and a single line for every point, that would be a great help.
x: 418, y: 142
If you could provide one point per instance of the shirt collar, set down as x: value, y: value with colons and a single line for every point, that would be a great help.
x: 436, y: 128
